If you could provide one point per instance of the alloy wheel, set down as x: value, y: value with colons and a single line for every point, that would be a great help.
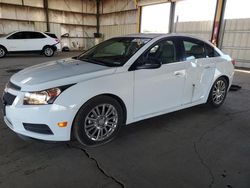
x: 219, y: 92
x: 101, y: 122
x: 2, y: 52
x: 48, y: 51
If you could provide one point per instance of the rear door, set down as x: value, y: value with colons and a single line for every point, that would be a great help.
x: 35, y: 41
x: 200, y: 69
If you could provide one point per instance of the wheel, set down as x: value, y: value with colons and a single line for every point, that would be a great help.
x: 2, y: 52
x: 98, y: 121
x: 218, y: 92
x: 48, y: 51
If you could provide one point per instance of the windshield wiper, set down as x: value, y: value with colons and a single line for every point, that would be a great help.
x: 91, y: 60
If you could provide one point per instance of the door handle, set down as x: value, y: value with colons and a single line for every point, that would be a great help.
x: 178, y: 73
x: 207, y: 67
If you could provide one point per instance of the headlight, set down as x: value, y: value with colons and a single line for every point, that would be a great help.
x: 41, y: 97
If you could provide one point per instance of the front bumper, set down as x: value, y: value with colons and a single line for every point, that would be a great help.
x: 58, y: 47
x: 17, y: 115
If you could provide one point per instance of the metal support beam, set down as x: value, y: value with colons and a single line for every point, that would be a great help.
x: 98, y: 18
x: 139, y: 12
x: 46, y: 9
x: 171, y: 17
x: 218, y: 21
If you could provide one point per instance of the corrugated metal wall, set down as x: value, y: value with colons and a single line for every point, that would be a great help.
x: 118, y: 17
x: 202, y: 29
x: 236, y: 41
x: 78, y: 18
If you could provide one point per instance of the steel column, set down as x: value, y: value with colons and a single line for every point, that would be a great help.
x: 46, y: 9
x: 218, y: 21
x: 171, y: 17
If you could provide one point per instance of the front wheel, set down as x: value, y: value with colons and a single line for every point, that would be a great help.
x: 98, y: 121
x: 218, y: 92
x: 48, y: 51
x: 2, y: 52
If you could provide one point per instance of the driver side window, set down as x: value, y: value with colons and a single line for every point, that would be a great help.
x: 164, y: 51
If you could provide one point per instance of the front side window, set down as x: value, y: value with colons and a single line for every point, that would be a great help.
x: 114, y: 52
x: 18, y: 35
x: 194, y: 49
x: 164, y: 52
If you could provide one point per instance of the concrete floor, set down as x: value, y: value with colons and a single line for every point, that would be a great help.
x: 193, y: 148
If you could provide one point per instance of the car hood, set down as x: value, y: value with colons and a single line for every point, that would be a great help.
x: 57, y: 73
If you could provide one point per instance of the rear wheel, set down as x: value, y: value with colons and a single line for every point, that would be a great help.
x: 218, y: 92
x: 2, y: 52
x: 48, y: 51
x: 98, y: 121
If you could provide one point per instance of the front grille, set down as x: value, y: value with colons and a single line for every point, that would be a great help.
x: 38, y: 128
x: 8, y: 99
x: 13, y: 86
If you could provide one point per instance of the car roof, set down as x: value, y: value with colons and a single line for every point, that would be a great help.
x: 155, y: 35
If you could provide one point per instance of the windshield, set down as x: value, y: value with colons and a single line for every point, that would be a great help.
x: 5, y: 35
x: 114, y: 52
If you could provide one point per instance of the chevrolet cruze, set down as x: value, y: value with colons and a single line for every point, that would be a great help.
x: 118, y: 82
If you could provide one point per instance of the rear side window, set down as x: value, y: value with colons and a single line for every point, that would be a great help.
x: 210, y: 51
x: 52, y: 35
x: 194, y: 49
x: 35, y: 35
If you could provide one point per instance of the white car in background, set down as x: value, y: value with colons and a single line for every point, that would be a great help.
x: 120, y: 81
x: 29, y: 41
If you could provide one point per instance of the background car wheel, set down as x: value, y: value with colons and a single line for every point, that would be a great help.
x: 2, y: 52
x: 48, y: 51
x: 218, y: 92
x: 98, y: 121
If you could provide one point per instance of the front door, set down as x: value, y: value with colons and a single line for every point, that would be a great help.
x: 157, y: 90
x: 16, y: 42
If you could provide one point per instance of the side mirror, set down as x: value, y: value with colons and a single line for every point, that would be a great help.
x: 75, y: 57
x: 150, y: 64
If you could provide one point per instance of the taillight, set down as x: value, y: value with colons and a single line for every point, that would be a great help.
x: 233, y: 62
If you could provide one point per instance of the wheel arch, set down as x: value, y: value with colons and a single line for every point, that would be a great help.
x: 52, y: 46
x: 115, y: 97
x: 4, y: 47
x: 226, y: 77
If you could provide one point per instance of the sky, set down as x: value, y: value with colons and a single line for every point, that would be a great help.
x: 237, y: 9
x: 155, y: 18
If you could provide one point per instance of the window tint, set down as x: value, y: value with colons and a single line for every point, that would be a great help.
x: 115, y: 49
x: 35, y: 35
x: 26, y: 35
x: 18, y: 35
x: 194, y: 48
x: 52, y: 35
x: 114, y: 52
x: 210, y: 52
x: 165, y: 52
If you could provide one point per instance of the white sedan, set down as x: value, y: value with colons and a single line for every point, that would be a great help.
x: 118, y: 82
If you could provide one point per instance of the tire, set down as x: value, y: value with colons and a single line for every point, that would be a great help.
x: 48, y: 51
x: 98, y: 121
x: 218, y: 92
x: 3, y: 52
